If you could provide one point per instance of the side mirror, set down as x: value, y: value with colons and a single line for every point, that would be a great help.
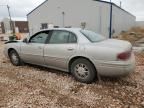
x: 25, y: 40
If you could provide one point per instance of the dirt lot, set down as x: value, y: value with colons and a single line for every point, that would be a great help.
x: 37, y: 87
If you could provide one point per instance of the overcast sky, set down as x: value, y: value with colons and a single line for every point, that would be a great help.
x: 21, y: 8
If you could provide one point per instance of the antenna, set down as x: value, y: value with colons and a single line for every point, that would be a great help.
x: 120, y: 4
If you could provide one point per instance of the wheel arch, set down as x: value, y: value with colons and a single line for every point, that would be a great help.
x: 10, y: 49
x: 78, y: 57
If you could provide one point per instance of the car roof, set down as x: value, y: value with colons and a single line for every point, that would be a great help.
x: 67, y: 29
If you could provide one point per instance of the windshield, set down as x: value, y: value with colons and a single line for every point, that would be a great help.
x: 92, y: 36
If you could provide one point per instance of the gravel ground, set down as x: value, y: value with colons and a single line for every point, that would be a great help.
x: 36, y: 87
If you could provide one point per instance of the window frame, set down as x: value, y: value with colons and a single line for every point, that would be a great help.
x: 75, y: 37
x: 48, y: 41
x: 44, y: 26
x: 49, y: 34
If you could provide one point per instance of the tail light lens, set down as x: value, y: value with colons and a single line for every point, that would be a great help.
x: 124, y: 55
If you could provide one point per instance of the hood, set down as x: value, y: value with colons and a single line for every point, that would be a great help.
x: 14, y: 41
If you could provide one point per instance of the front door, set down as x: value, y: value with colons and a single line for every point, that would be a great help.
x: 61, y: 46
x: 32, y: 52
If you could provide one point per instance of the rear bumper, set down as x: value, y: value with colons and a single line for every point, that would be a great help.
x: 116, y: 68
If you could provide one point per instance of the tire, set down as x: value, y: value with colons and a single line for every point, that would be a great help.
x: 14, y: 58
x: 83, y: 71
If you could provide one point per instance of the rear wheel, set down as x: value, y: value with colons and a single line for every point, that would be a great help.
x: 83, y: 71
x: 14, y: 58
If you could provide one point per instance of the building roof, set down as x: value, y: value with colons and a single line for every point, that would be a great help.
x: 123, y: 9
x: 115, y: 5
x: 37, y: 7
x: 93, y: 0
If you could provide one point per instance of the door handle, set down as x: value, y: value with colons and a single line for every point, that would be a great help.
x: 70, y: 49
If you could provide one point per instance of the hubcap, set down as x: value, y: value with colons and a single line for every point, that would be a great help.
x: 14, y: 58
x: 82, y: 71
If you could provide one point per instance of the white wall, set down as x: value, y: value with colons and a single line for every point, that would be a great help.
x: 122, y: 21
x: 95, y: 14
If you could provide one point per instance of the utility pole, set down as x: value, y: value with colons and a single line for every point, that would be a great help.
x: 11, y: 25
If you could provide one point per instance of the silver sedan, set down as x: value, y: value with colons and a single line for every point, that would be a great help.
x: 83, y: 53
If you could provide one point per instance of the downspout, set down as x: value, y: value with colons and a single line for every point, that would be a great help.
x: 110, y: 29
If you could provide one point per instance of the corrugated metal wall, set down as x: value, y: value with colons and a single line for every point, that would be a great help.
x: 121, y: 20
x: 95, y: 14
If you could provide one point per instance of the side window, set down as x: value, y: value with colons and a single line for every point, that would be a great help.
x: 59, y: 37
x: 72, y: 38
x: 39, y: 38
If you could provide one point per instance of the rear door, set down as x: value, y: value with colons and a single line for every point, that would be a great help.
x: 62, y: 45
x: 32, y: 52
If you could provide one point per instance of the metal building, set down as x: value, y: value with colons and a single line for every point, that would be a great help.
x: 100, y: 16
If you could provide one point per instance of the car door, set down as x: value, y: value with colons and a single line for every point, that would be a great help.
x: 32, y: 51
x: 62, y: 45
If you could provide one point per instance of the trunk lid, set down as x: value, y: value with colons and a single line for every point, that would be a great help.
x: 113, y: 43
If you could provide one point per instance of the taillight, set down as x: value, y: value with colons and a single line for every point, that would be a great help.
x: 124, y: 55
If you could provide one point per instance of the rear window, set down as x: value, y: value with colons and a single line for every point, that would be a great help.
x: 92, y: 36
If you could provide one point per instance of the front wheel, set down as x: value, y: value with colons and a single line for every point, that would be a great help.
x: 14, y: 58
x: 83, y: 71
